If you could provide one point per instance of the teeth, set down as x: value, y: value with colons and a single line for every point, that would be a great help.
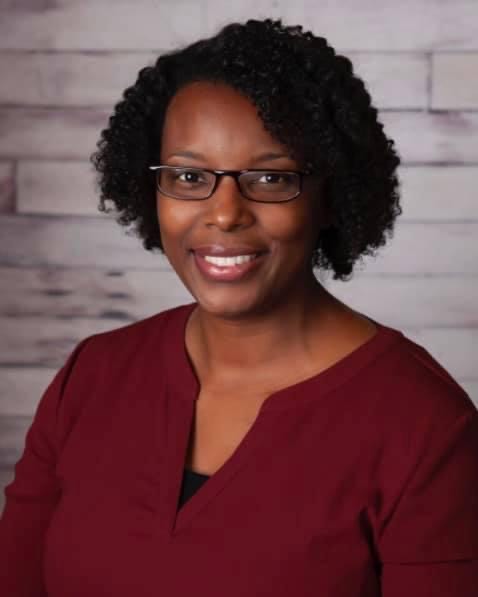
x: 224, y: 261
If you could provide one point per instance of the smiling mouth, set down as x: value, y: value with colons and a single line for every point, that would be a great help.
x: 227, y: 269
x: 229, y: 261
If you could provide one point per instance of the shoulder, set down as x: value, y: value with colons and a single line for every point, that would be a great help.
x: 413, y: 406
x: 123, y: 351
x: 102, y: 364
x: 421, y: 428
x: 417, y: 381
x: 426, y: 447
x: 148, y: 333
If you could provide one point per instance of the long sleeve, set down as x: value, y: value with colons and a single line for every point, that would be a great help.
x: 429, y: 546
x: 31, y: 497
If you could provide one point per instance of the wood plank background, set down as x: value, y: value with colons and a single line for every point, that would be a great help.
x: 67, y: 270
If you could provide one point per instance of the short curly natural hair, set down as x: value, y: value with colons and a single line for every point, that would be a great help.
x: 308, y: 98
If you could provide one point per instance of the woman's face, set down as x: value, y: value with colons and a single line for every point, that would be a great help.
x: 223, y: 131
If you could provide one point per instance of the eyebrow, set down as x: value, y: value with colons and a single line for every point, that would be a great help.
x: 263, y: 157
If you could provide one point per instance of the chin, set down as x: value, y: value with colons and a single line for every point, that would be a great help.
x: 229, y: 305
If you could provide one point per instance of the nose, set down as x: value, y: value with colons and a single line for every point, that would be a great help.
x: 228, y: 208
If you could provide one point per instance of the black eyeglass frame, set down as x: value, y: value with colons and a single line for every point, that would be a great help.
x: 235, y: 174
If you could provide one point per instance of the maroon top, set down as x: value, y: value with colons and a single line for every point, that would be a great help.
x: 361, y: 481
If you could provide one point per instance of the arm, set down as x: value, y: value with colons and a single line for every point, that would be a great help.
x: 429, y: 545
x: 32, y: 495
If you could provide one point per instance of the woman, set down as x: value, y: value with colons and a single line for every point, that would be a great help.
x: 265, y: 439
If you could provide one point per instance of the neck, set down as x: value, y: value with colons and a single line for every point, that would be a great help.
x: 253, y: 341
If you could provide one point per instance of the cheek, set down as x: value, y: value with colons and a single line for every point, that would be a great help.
x: 291, y: 226
x: 174, y: 220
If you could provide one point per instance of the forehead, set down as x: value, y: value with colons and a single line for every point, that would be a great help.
x: 216, y: 119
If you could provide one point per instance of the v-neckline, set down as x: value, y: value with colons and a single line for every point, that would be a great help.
x: 183, y: 388
x: 175, y: 456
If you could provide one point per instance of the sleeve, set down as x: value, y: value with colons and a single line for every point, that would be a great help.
x: 31, y: 497
x: 429, y: 545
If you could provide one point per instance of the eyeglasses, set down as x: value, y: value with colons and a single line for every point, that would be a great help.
x: 264, y: 186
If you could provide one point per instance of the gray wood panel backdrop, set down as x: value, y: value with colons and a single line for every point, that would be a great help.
x: 68, y: 271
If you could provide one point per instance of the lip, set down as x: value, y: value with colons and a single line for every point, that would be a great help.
x: 223, y: 251
x: 230, y: 273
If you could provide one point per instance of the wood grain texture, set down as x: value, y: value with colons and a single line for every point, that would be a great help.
x: 450, y: 137
x: 57, y: 187
x: 439, y: 193
x: 92, y: 293
x: 7, y: 187
x: 38, y: 132
x: 64, y: 241
x: 369, y: 24
x: 427, y: 248
x: 69, y: 79
x: 72, y: 241
x: 21, y: 389
x: 454, y: 81
x: 395, y: 81
x: 412, y: 302
x: 88, y: 25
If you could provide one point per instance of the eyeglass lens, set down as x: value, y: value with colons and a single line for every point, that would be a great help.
x: 194, y: 183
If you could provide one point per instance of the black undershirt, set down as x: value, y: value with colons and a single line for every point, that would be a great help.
x: 192, y: 481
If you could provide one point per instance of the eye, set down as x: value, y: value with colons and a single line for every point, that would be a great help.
x: 270, y: 177
x: 189, y: 176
